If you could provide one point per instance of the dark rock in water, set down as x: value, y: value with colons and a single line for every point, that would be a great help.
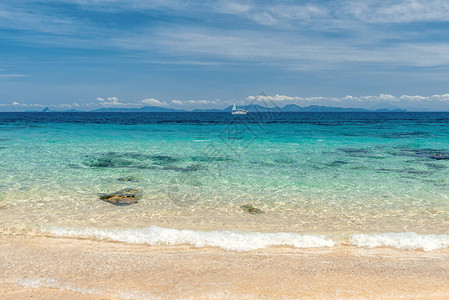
x: 436, y: 154
x: 73, y: 166
x: 164, y: 159
x: 190, y: 168
x: 441, y: 156
x: 354, y: 150
x: 46, y: 109
x: 435, y: 166
x: 205, y: 158
x: 251, y: 209
x: 284, y: 160
x: 337, y: 163
x: 129, y: 178
x: 123, y: 197
x: 406, y: 134
x: 112, y: 160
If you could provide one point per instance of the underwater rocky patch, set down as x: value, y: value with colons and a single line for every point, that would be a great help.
x: 73, y: 166
x: 337, y: 163
x: 143, y: 161
x: 204, y: 158
x: 284, y: 160
x: 164, y: 159
x: 129, y: 179
x: 405, y: 135
x: 435, y: 166
x: 123, y: 197
x: 405, y: 171
x: 128, y: 160
x: 428, y: 153
x: 190, y: 168
x: 109, y: 161
x: 251, y: 209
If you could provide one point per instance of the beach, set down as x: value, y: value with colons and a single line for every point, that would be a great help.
x: 52, y: 268
x: 194, y: 205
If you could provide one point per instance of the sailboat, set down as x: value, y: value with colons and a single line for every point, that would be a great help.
x: 238, y: 111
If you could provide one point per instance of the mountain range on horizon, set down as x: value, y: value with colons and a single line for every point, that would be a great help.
x: 250, y: 108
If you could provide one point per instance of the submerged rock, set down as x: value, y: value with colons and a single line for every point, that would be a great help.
x: 73, y: 166
x: 205, y: 158
x: 189, y: 168
x: 284, y: 160
x: 439, y: 156
x: 109, y: 162
x: 337, y: 163
x: 129, y: 178
x: 164, y: 159
x: 123, y: 197
x: 436, y: 154
x: 251, y: 209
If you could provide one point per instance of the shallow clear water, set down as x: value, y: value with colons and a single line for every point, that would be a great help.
x: 311, y: 173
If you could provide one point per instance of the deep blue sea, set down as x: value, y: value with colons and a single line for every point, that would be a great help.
x: 236, y: 182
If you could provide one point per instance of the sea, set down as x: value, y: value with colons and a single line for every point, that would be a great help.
x: 239, y: 183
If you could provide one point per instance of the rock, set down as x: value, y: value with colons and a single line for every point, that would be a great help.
x: 251, y: 209
x: 189, y: 168
x: 129, y: 178
x: 123, y: 197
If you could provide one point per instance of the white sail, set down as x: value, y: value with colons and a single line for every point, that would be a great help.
x: 233, y: 107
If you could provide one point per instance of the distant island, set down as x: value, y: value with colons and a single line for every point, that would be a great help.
x: 250, y: 108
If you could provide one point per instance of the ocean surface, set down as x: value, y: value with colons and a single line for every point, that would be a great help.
x: 234, y: 182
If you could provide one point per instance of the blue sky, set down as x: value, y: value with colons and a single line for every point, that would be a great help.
x: 85, y: 54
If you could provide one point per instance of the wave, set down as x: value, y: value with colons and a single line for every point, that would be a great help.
x: 401, y: 240
x: 228, y: 240
x: 247, y: 241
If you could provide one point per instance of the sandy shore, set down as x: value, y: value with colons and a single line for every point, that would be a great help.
x: 55, y: 268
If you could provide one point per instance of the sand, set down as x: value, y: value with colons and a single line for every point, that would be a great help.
x: 41, y: 267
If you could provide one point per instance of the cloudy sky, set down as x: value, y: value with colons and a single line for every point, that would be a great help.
x: 86, y: 54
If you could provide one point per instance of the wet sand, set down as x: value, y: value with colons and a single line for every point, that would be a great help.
x: 55, y: 268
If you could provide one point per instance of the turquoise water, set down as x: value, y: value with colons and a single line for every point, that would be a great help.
x: 332, y: 174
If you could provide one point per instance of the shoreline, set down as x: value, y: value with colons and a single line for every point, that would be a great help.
x: 51, y: 268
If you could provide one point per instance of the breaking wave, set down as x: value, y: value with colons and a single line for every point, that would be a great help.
x: 228, y: 240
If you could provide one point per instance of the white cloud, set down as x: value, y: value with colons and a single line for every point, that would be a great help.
x: 15, y: 103
x: 433, y: 98
x: 276, y: 97
x: 282, y: 49
x: 111, y: 101
x: 200, y: 102
x: 349, y: 100
x: 399, y: 11
x: 177, y: 102
x: 12, y: 75
x: 237, y: 8
x: 351, y: 24
x: 153, y: 102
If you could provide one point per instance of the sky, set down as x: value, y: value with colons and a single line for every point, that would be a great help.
x: 87, y: 54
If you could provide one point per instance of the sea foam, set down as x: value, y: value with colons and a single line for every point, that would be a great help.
x: 247, y: 241
x: 228, y: 240
x: 402, y: 240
